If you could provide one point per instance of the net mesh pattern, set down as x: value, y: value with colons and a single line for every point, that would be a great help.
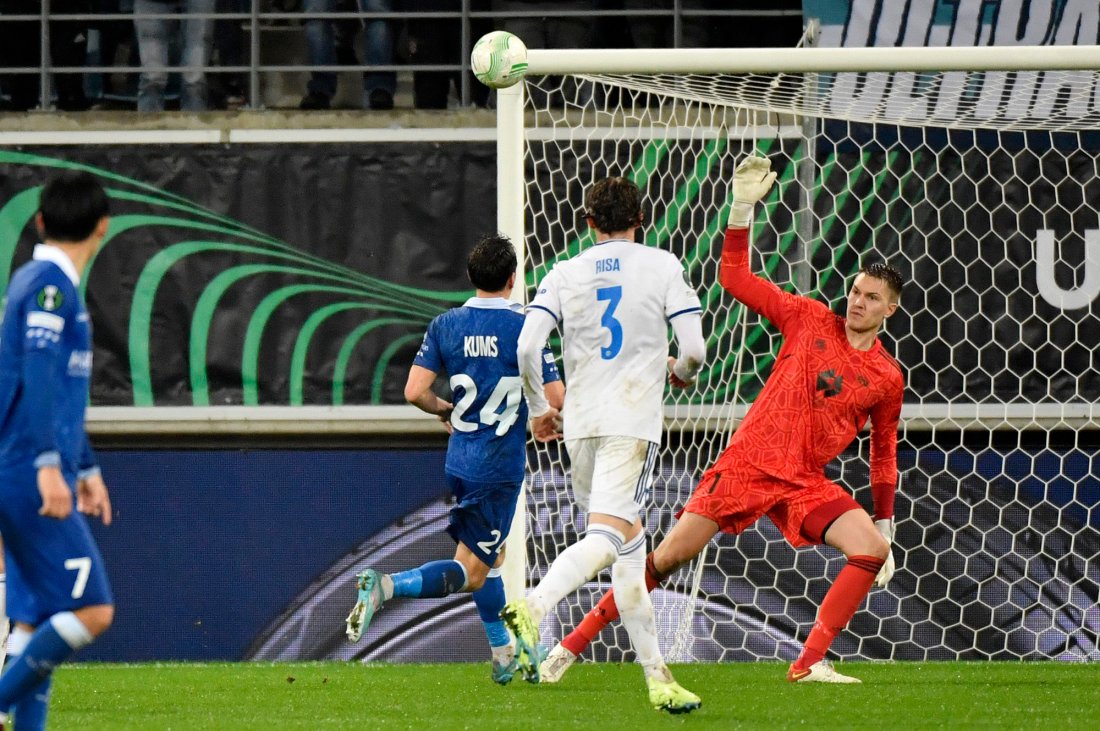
x: 983, y: 190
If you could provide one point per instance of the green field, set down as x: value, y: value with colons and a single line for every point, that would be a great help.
x: 593, y: 695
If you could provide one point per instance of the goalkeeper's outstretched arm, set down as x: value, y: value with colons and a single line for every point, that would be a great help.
x: 751, y: 183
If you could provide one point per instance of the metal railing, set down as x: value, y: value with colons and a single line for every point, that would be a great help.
x: 259, y: 19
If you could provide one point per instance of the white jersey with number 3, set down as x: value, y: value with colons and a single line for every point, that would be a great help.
x: 613, y: 303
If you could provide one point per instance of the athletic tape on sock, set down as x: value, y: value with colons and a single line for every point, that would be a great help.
x: 71, y: 629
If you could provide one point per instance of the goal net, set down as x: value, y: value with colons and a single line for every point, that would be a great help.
x: 983, y: 187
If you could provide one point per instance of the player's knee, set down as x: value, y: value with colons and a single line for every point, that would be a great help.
x: 476, y: 573
x: 878, y: 548
x: 605, y: 540
x: 96, y: 619
x: 475, y: 582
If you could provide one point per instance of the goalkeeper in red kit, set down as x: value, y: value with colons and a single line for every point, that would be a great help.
x: 832, y: 373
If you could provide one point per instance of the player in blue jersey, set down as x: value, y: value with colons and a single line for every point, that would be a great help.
x: 475, y: 345
x: 60, y: 599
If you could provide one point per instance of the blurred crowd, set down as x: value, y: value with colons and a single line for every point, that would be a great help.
x: 179, y: 54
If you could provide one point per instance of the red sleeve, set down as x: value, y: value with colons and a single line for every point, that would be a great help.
x: 885, y: 416
x: 756, y: 293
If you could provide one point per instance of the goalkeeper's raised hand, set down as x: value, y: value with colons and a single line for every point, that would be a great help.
x: 886, y: 528
x: 752, y: 180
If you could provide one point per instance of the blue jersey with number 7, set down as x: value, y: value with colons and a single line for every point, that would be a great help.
x: 475, y: 345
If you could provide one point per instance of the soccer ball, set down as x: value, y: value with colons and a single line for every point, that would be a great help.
x: 499, y: 59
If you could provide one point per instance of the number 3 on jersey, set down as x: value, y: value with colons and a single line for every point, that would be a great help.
x: 508, y: 390
x: 612, y: 295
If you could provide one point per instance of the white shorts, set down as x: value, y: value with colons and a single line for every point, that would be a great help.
x: 611, y: 475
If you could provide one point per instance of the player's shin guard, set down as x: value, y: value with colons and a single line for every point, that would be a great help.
x: 432, y: 580
x: 606, y: 612
x: 573, y: 567
x: 635, y: 606
x: 838, y: 607
x: 490, y: 600
x: 51, y: 644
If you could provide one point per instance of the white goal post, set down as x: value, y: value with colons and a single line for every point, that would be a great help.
x: 976, y: 171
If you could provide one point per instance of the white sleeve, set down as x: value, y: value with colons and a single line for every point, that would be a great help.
x: 684, y: 312
x: 691, y: 349
x: 680, y: 296
x: 547, y: 298
x: 537, y: 326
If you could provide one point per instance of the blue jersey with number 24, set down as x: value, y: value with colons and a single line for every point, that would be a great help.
x: 475, y: 345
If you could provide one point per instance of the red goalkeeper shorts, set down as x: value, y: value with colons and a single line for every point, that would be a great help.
x: 740, y: 493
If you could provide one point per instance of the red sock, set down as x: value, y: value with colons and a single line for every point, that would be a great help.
x: 841, y: 602
x: 606, y: 612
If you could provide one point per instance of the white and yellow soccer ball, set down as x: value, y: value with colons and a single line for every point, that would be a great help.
x: 499, y: 59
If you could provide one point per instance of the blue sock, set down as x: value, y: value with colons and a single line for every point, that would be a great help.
x: 30, y: 713
x: 433, y: 579
x: 50, y: 645
x: 490, y: 600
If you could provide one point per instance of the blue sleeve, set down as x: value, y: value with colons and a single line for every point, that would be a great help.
x: 42, y: 327
x: 549, y: 367
x: 89, y: 464
x: 429, y: 356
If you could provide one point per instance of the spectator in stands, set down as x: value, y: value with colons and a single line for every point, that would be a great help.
x: 20, y: 43
x: 325, y: 49
x: 155, y: 40
x: 439, y: 41
x: 114, y: 35
x: 659, y: 31
x: 550, y: 29
x: 229, y: 44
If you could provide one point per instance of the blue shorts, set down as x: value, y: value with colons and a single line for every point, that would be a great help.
x: 482, y: 515
x: 52, y: 565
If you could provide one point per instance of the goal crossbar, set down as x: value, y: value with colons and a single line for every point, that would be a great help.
x: 810, y: 60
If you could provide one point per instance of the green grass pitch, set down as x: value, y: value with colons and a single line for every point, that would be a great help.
x: 935, y: 695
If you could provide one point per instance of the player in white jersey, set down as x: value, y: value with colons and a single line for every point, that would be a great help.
x: 614, y: 303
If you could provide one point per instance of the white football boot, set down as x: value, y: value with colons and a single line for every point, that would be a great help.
x: 821, y: 671
x: 556, y: 663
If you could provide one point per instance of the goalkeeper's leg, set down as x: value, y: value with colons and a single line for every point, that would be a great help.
x: 605, y: 612
x: 855, y: 535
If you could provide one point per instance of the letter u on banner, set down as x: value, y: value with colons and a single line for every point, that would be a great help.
x: 1067, y: 299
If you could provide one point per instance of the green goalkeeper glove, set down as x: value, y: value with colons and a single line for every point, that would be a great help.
x: 751, y: 181
x: 886, y: 528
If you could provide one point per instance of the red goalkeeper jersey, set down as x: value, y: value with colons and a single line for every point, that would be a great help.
x: 821, y: 390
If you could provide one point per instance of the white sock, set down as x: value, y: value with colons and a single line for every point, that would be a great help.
x: 635, y: 606
x: 3, y: 617
x: 71, y: 629
x: 573, y: 567
x: 504, y: 654
x: 18, y: 640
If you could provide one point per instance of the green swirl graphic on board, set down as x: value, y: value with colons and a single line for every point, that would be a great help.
x: 200, y: 232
